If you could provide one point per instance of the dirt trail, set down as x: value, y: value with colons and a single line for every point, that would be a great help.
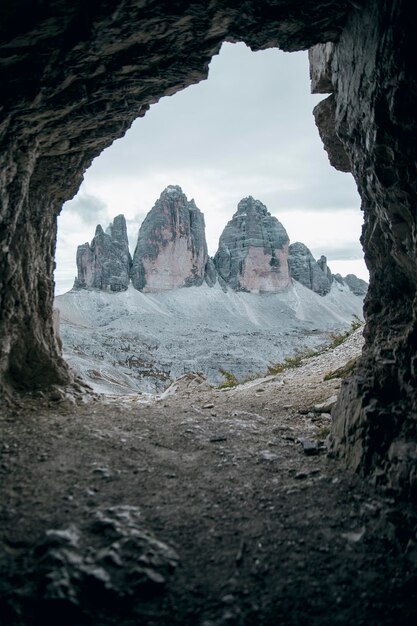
x: 199, y: 509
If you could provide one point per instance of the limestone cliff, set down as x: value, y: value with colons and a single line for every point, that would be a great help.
x: 106, y: 262
x: 171, y: 251
x: 306, y: 270
x: 357, y: 285
x: 253, y: 250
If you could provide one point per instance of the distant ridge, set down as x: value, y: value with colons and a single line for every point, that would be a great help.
x: 254, y: 254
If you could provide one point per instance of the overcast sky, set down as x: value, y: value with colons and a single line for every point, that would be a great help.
x: 247, y: 130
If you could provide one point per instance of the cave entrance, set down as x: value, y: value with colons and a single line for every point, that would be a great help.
x: 246, y: 131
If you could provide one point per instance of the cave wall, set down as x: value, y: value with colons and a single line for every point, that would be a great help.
x: 75, y: 75
x: 372, y: 75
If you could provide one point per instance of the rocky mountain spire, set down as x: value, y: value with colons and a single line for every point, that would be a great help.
x: 171, y: 250
x: 304, y: 268
x: 253, y: 250
x: 106, y: 262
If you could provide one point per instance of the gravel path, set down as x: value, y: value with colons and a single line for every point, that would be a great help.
x: 204, y: 507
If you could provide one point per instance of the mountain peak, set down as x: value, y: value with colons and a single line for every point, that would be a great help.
x: 106, y: 262
x: 172, y: 190
x: 250, y: 204
x: 253, y: 250
x: 171, y: 251
x: 304, y: 268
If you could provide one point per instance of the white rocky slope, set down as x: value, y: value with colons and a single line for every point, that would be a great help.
x: 132, y: 342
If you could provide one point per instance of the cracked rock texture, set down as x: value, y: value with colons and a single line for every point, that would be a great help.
x: 311, y: 273
x: 106, y: 263
x: 253, y: 250
x: 172, y: 250
x: 114, y: 557
x: 374, y: 83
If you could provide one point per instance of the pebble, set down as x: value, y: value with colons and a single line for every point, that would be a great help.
x: 56, y: 396
x: 310, y: 447
x: 268, y: 456
x: 301, y: 475
x: 354, y: 536
x: 209, y: 405
x: 228, y: 599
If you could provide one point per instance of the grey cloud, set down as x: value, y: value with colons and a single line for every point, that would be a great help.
x: 90, y: 208
x: 346, y: 252
x: 239, y: 126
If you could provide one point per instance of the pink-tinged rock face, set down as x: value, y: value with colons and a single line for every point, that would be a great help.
x: 171, y: 251
x: 172, y: 267
x: 258, y: 276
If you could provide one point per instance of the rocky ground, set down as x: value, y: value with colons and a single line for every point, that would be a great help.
x: 132, y: 342
x: 202, y: 507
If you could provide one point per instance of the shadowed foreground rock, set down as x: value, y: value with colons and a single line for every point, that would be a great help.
x: 374, y: 85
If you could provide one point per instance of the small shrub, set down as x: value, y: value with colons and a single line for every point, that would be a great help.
x: 342, y: 372
x: 231, y: 380
x: 290, y: 362
x: 324, y: 432
x: 338, y: 338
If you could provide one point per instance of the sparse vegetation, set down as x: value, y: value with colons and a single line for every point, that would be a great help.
x: 338, y: 338
x: 230, y: 379
x: 341, y: 372
x: 290, y: 362
x: 324, y: 432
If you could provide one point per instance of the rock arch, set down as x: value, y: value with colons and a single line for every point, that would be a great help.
x: 75, y: 75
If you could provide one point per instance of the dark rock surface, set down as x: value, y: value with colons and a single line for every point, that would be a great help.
x: 106, y: 262
x: 374, y: 82
x: 306, y: 270
x: 253, y: 250
x: 113, y: 558
x: 325, y: 116
x: 171, y: 250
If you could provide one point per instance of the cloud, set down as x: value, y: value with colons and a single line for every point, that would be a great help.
x: 247, y: 130
x: 89, y: 208
x: 348, y: 252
